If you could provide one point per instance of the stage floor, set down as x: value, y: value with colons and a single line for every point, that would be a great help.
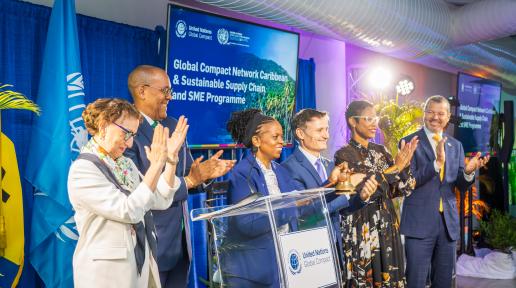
x: 470, y: 282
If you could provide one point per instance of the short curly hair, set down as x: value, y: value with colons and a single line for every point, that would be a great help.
x: 104, y: 111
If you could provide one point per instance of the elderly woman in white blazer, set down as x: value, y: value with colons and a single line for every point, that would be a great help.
x: 112, y: 200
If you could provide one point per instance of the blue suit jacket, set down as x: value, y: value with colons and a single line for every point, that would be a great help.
x: 306, y: 177
x: 420, y: 214
x: 253, y: 261
x: 168, y: 222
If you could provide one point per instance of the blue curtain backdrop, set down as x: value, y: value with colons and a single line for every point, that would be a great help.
x: 109, y: 51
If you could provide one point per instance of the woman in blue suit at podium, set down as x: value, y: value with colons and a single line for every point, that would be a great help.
x: 253, y: 262
x: 251, y: 259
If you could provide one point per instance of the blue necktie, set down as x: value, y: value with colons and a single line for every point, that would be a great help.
x: 320, y: 169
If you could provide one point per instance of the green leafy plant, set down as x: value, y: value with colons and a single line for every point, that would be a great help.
x: 397, y: 121
x: 499, y: 230
x: 10, y: 99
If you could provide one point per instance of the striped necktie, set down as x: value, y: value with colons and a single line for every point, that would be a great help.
x: 320, y: 169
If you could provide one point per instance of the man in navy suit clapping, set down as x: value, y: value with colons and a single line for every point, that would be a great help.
x: 429, y: 218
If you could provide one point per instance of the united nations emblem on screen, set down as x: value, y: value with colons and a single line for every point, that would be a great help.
x: 294, y: 263
x: 181, y: 29
x: 223, y: 36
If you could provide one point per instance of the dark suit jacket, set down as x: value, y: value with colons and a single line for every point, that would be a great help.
x: 420, y: 214
x: 306, y: 177
x: 253, y: 261
x: 168, y: 222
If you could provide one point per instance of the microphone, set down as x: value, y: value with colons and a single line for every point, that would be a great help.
x: 254, y: 194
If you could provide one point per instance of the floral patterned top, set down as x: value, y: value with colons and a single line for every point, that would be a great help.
x: 370, y: 236
x: 124, y: 170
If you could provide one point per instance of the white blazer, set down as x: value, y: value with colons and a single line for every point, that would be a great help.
x: 104, y: 256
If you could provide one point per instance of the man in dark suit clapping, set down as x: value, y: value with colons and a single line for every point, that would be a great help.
x: 151, y: 92
x: 429, y: 218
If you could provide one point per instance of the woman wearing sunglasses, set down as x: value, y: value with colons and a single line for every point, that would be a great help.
x: 112, y: 199
x: 371, y: 238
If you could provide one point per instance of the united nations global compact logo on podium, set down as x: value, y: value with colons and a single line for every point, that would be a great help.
x: 223, y: 36
x: 294, y: 264
x: 181, y: 29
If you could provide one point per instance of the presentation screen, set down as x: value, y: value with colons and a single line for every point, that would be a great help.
x: 479, y: 109
x: 218, y: 65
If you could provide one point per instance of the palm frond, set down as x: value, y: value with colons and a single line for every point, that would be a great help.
x: 14, y: 100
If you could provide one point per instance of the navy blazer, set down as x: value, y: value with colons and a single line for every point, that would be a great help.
x: 168, y: 222
x: 420, y: 213
x: 306, y: 177
x: 253, y: 260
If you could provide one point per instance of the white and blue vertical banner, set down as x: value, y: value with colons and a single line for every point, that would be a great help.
x: 57, y: 136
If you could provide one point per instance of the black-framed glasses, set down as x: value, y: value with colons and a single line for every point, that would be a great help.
x: 128, y: 134
x: 369, y: 119
x: 166, y: 91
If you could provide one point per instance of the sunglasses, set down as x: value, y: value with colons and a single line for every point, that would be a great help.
x: 369, y: 119
x: 128, y: 134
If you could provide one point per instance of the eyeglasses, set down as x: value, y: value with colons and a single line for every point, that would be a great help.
x: 369, y: 119
x: 128, y: 134
x: 439, y: 114
x: 166, y: 91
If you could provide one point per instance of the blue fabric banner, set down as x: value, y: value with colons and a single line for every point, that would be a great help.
x: 57, y: 136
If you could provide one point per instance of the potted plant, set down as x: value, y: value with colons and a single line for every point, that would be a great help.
x: 499, y: 231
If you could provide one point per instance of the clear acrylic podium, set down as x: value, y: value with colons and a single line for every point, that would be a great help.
x: 283, y: 240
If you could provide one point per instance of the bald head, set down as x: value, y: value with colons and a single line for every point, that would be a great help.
x: 143, y: 75
x: 147, y: 84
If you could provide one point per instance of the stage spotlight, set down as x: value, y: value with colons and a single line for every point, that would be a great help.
x: 454, y: 101
x: 380, y: 78
x: 405, y: 86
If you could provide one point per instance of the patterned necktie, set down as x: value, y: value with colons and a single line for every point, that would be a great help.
x: 320, y: 169
x: 438, y: 138
x: 155, y: 124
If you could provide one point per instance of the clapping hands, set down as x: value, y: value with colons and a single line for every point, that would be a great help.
x: 369, y: 188
x: 157, y: 152
x: 475, y: 163
x: 176, y: 140
x: 405, y: 153
x: 440, y: 155
x: 209, y: 169
x: 164, y: 148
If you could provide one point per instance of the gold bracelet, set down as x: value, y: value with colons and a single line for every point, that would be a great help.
x: 392, y: 170
x: 189, y: 182
x: 174, y: 161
